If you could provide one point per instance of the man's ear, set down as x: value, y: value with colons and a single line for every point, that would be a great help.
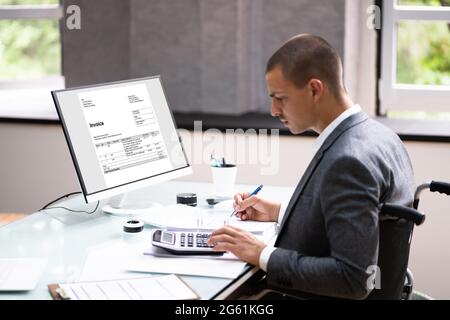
x: 316, y: 89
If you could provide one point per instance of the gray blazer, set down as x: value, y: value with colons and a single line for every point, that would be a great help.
x: 329, y: 235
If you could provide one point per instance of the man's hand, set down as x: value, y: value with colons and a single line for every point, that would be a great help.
x: 241, y: 243
x: 255, y: 208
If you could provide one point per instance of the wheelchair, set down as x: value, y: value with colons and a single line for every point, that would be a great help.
x: 434, y: 186
x: 397, y: 281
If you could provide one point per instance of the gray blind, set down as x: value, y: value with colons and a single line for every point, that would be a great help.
x: 211, y: 53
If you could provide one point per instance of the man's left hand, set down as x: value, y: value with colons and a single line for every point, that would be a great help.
x: 241, y: 243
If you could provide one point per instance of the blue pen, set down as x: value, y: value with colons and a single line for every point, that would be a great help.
x: 254, y: 193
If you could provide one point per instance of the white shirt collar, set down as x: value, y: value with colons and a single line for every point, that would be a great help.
x: 333, y: 125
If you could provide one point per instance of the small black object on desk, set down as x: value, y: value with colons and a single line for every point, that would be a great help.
x: 189, y: 199
x: 133, y: 226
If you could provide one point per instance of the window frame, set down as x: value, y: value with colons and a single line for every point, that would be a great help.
x: 30, y: 99
x: 39, y: 12
x: 410, y: 97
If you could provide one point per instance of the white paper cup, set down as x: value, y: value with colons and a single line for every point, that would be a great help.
x: 224, y: 179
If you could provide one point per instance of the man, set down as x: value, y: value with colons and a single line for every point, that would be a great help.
x: 329, y: 232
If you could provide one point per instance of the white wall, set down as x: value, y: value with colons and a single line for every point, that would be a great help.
x: 35, y: 168
x: 430, y: 255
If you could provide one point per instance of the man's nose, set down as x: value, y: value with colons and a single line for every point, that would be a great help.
x: 274, y: 109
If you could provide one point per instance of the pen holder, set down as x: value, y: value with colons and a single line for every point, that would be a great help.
x: 224, y: 179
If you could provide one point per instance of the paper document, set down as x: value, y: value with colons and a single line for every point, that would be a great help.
x: 160, y: 252
x: 119, y: 260
x: 176, y: 217
x: 215, y: 268
x: 108, y: 260
x: 168, y: 287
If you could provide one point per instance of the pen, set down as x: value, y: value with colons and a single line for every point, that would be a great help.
x: 254, y: 193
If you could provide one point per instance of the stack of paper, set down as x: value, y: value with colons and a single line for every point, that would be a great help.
x: 160, y: 252
x: 214, y: 268
x: 119, y: 260
x: 181, y: 217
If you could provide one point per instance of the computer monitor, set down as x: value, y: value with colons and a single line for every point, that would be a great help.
x: 121, y: 137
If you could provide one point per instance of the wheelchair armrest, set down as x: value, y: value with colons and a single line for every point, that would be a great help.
x: 406, y: 213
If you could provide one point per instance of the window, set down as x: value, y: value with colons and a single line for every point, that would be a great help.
x: 30, y: 57
x: 415, y: 69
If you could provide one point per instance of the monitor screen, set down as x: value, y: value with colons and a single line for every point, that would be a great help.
x: 121, y: 136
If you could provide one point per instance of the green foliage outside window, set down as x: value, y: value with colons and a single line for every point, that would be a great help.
x: 423, y: 56
x: 423, y: 49
x: 29, y: 48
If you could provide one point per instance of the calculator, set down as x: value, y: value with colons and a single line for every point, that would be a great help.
x: 183, y: 242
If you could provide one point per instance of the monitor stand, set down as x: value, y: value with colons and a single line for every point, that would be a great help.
x: 116, y: 206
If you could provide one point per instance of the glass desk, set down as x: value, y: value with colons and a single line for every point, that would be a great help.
x: 66, y: 239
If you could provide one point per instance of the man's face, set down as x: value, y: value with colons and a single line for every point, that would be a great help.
x: 293, y: 106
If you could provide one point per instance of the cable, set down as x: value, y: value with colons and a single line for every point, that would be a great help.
x: 64, y: 196
x: 46, y: 207
x: 80, y: 211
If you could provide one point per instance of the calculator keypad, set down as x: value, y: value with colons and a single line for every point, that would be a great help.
x: 182, y: 240
x: 190, y: 239
x: 186, y: 242
x: 199, y: 240
x: 202, y: 240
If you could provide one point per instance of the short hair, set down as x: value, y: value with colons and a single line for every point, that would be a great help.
x: 305, y: 57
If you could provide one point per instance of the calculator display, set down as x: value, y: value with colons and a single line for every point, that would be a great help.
x: 185, y: 242
x: 168, y: 237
